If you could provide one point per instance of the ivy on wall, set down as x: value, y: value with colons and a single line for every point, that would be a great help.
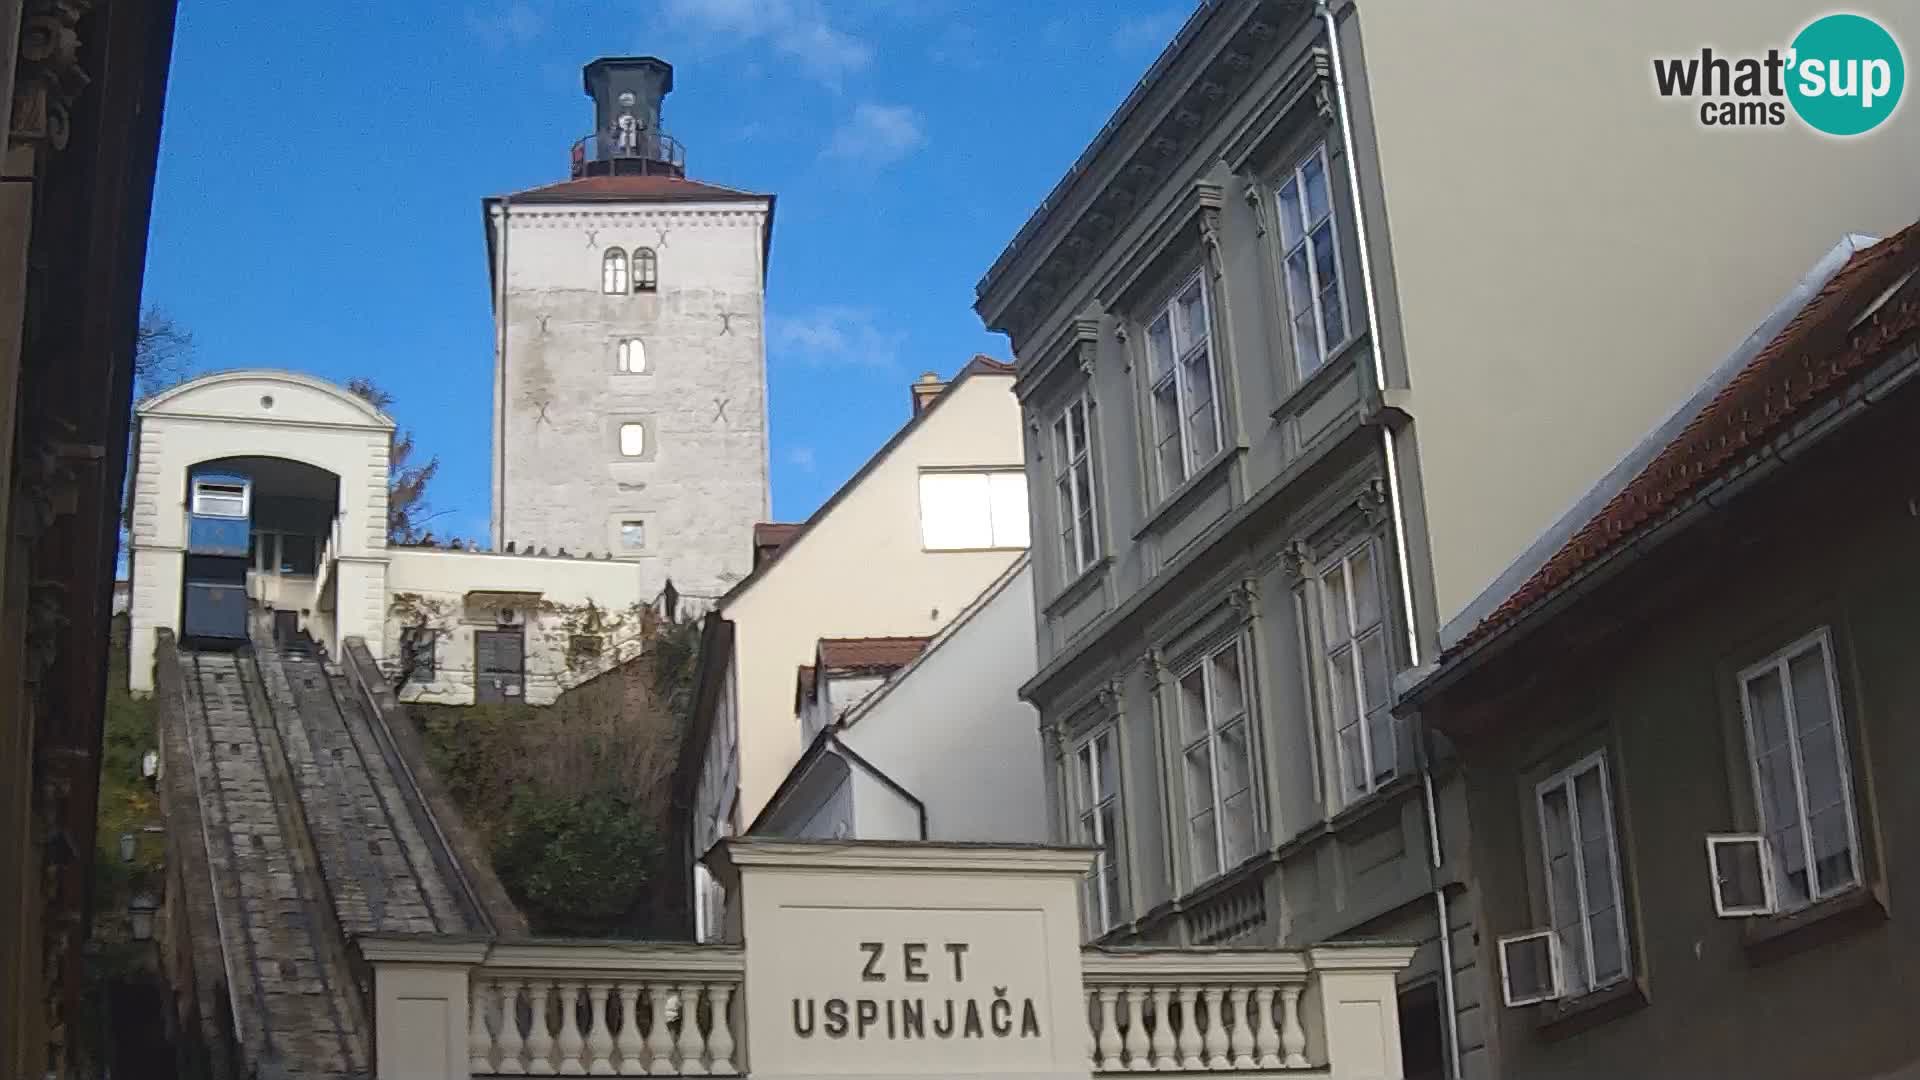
x: 573, y: 798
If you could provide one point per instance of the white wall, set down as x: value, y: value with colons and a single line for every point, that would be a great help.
x: 952, y: 730
x: 255, y: 413
x: 429, y: 587
x: 560, y: 480
x: 861, y: 571
x: 1572, y: 253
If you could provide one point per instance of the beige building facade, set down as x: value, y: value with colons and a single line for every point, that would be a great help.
x: 900, y: 550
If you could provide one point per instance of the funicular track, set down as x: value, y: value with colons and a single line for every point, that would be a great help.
x: 298, y: 1011
x: 315, y: 831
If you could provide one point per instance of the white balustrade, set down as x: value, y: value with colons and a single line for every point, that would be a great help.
x: 611, y: 1013
x: 1204, y: 1010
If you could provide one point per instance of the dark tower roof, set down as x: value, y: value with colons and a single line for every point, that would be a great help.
x: 628, y: 138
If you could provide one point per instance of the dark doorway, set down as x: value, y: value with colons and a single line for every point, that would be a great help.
x: 286, y: 627
x: 1423, y: 1047
x: 500, y: 665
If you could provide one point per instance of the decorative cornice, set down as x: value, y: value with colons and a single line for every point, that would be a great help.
x: 49, y: 78
x: 1372, y: 501
x: 1098, y: 221
x: 1296, y: 560
x: 1209, y: 198
x: 1244, y: 598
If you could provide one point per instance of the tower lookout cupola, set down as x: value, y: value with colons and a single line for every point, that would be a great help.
x: 627, y: 137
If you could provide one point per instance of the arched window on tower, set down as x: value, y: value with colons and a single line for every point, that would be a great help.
x: 633, y: 356
x: 613, y: 272
x: 646, y: 270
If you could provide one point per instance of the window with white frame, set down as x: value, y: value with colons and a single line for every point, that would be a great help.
x: 613, y: 272
x: 1803, y: 784
x: 1580, y: 857
x: 1097, y: 820
x: 962, y: 511
x: 1186, y: 419
x: 633, y: 534
x: 633, y: 440
x: 218, y: 498
x: 1073, y: 479
x: 1217, y: 762
x: 632, y: 356
x: 1315, y: 303
x: 1358, y: 673
x: 646, y: 270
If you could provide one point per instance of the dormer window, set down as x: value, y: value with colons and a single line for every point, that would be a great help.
x: 646, y: 270
x: 613, y: 272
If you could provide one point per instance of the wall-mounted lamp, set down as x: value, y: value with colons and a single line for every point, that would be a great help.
x: 140, y: 915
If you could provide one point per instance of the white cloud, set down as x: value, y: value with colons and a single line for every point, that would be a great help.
x: 801, y: 457
x: 836, y: 336
x: 1149, y: 31
x: 878, y: 135
x: 798, y: 30
x: 513, y: 22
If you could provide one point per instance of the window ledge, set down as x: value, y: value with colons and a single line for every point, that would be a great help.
x: 1375, y: 801
x: 1773, y: 937
x: 1342, y: 363
x: 1180, y: 496
x: 1079, y: 586
x: 1561, y: 1019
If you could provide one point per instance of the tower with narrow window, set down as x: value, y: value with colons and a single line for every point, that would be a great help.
x: 629, y: 397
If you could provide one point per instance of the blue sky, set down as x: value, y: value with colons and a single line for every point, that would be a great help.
x: 322, y: 166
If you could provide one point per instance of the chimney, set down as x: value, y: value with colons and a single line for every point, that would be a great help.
x: 925, y: 389
x: 627, y: 137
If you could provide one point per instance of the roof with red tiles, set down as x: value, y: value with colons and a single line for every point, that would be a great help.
x: 773, y: 534
x: 1813, y: 356
x: 625, y: 187
x: 870, y: 653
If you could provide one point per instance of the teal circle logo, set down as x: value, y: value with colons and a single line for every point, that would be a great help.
x: 1846, y: 75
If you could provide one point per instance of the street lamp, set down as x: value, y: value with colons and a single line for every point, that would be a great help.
x: 140, y: 915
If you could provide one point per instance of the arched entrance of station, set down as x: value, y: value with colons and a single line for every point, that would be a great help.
x: 293, y: 530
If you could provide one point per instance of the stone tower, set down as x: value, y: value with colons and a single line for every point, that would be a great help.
x: 629, y: 407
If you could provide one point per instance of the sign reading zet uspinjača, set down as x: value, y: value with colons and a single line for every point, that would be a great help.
x: 917, y: 990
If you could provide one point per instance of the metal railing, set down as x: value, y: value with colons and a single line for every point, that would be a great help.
x: 630, y: 152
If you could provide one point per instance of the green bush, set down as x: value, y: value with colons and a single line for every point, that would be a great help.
x: 579, y: 865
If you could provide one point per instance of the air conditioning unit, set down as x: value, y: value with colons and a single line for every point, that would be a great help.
x: 1741, y: 868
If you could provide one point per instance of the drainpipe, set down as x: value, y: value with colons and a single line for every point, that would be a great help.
x: 500, y: 383
x: 1397, y: 508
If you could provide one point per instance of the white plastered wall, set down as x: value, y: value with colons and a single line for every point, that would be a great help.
x: 429, y: 587
x: 256, y: 413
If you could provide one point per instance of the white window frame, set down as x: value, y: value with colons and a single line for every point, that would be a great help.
x: 644, y: 270
x: 1326, y: 341
x: 641, y: 524
x: 227, y: 489
x: 1769, y: 894
x: 1183, y: 354
x: 995, y: 541
x: 1556, y: 968
x: 1210, y: 736
x: 630, y: 356
x: 1778, y: 663
x: 1103, y: 913
x: 1074, y: 487
x: 1330, y: 650
x: 614, y: 275
x: 1564, y: 780
x: 620, y: 436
